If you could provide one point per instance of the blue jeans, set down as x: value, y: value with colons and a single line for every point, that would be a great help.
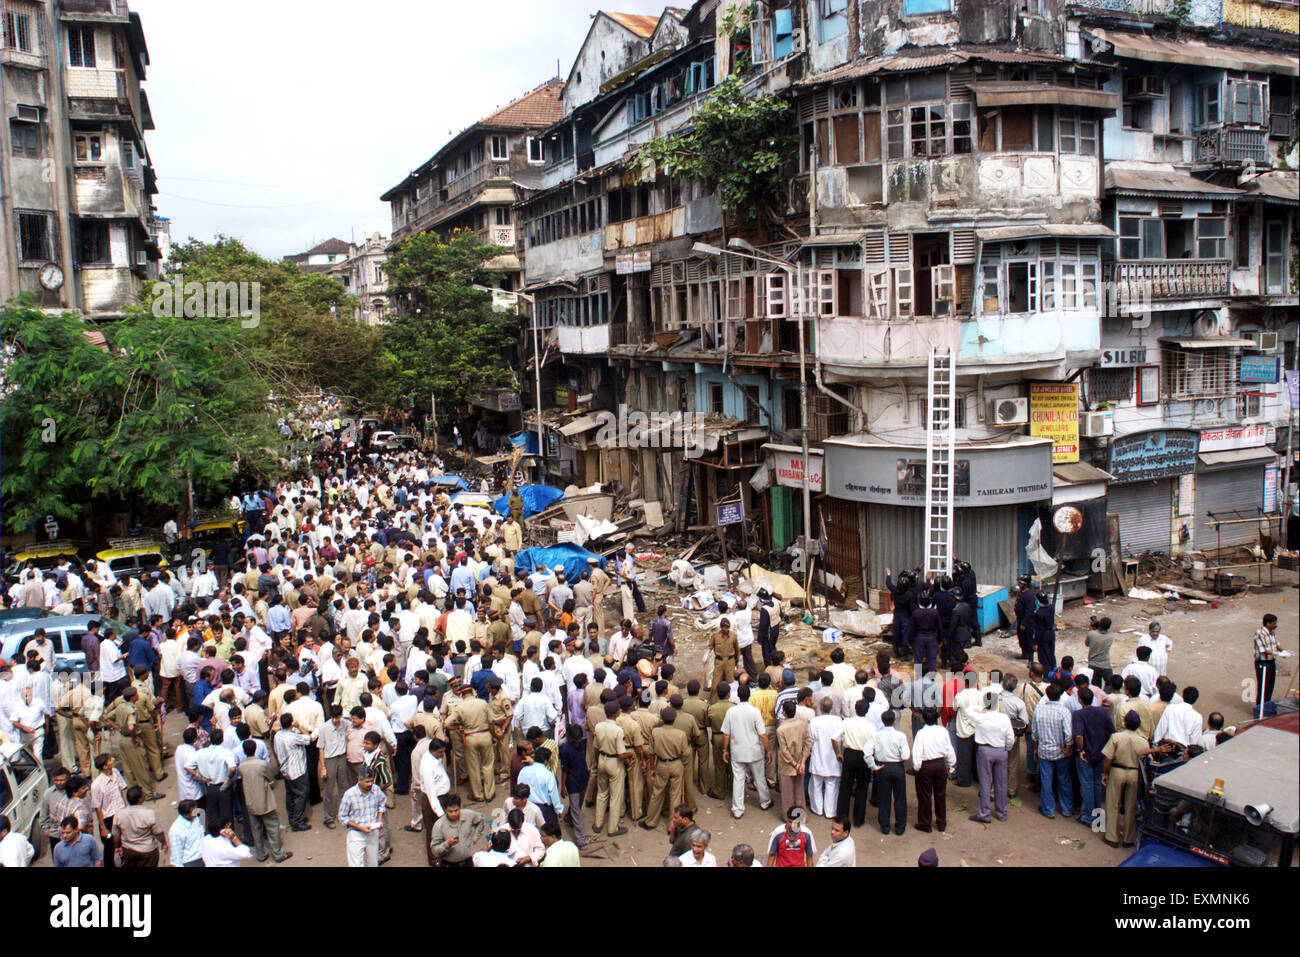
x: 1057, y: 772
x: 1089, y: 789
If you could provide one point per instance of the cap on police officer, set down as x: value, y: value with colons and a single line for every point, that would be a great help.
x: 668, y: 715
x: 611, y: 708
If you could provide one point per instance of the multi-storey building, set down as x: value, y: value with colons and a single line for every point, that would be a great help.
x: 472, y: 181
x: 1085, y: 207
x: 325, y: 257
x: 78, y: 185
x: 365, y: 277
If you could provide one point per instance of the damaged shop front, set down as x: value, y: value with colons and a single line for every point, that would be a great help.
x: 999, y: 487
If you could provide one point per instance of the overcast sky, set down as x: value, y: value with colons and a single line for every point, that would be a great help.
x: 280, y: 122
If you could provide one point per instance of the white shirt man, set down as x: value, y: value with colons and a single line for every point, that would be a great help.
x: 1180, y: 722
x: 219, y: 851
x: 1160, y: 647
x: 823, y: 763
x: 1145, y: 674
x: 742, y: 621
x: 505, y: 670
x: 434, y: 782
x: 205, y: 585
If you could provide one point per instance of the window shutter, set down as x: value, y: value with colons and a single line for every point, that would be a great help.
x: 903, y: 293
x: 878, y: 282
x: 774, y: 284
x: 963, y: 246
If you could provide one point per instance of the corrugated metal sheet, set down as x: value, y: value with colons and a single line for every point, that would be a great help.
x: 1188, y: 52
x: 988, y: 538
x: 1169, y: 182
x: 999, y: 234
x: 1145, y: 515
x: 925, y: 60
x: 1221, y: 492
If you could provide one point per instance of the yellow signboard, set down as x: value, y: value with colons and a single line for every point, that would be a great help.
x: 1054, y: 414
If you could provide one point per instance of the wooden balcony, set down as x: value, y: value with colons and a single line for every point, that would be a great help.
x: 1160, y: 279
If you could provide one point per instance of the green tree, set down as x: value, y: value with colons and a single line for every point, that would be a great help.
x: 448, y: 341
x: 739, y: 147
x: 169, y: 402
x: 306, y: 332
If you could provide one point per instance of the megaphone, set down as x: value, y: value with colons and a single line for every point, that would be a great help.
x: 1257, y: 813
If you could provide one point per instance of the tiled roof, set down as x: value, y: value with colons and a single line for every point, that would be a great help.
x: 329, y: 247
x: 642, y: 26
x: 536, y: 109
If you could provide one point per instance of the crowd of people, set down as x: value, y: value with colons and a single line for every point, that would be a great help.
x: 377, y: 649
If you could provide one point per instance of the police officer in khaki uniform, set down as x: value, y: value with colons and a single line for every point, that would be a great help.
x: 450, y: 703
x: 503, y: 713
x: 1119, y: 776
x: 595, y: 711
x: 672, y: 747
x: 599, y: 588
x: 648, y: 720
x: 721, y: 785
x: 724, y: 648
x: 698, y: 741
x: 698, y: 709
x: 146, y: 709
x: 123, y: 718
x: 639, y: 744
x: 473, y: 720
x: 614, y: 756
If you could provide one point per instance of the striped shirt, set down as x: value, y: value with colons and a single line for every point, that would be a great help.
x: 291, y: 751
x: 1053, y: 727
x: 1265, y: 645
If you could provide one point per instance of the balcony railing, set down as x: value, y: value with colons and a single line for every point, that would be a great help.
x: 94, y: 83
x: 1232, y: 145
x: 1170, y: 278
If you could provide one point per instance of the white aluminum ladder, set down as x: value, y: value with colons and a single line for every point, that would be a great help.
x: 940, y: 439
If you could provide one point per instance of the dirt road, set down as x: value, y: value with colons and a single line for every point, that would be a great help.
x: 1212, y: 650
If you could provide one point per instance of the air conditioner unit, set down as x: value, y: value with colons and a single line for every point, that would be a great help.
x: 1096, y: 425
x: 1264, y: 341
x: 27, y: 114
x: 1009, y: 411
x: 1146, y: 86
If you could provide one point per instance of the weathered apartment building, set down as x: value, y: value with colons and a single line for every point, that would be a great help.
x: 76, y: 182
x: 472, y: 183
x: 1000, y: 183
x: 364, y: 275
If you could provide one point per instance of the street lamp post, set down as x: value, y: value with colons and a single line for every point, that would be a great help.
x: 738, y: 247
x: 537, y: 355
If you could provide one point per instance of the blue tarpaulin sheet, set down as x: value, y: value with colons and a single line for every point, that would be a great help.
x: 525, y: 440
x: 537, y: 498
x: 572, y: 557
x: 450, y: 481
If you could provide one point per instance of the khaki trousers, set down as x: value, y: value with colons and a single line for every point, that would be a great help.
x: 610, y: 776
x: 669, y: 778
x: 1121, y: 805
x: 478, y: 756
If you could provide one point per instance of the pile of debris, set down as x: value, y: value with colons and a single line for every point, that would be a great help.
x: 587, y: 518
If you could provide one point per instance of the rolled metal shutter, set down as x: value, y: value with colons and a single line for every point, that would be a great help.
x: 1220, y: 492
x: 1144, y: 510
x: 895, y: 539
x: 988, y: 539
x: 985, y: 537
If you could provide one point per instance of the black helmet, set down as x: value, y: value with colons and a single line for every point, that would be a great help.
x: 956, y: 592
x: 924, y: 600
x: 1044, y: 598
x: 945, y: 583
x: 906, y: 579
x: 1024, y: 580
